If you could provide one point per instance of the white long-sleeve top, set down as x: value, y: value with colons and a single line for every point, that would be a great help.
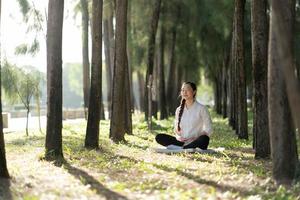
x: 195, y: 121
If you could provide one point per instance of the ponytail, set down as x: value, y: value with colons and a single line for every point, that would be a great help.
x: 180, y: 113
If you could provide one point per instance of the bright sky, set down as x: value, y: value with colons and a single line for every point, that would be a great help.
x: 13, y: 33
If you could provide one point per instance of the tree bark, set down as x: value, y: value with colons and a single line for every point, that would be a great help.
x: 282, y: 133
x: 284, y: 21
x: 171, y: 77
x: 259, y: 30
x: 128, y: 105
x: 242, y: 130
x: 85, y: 54
x: 224, y: 86
x: 117, y: 124
x: 54, y: 80
x: 141, y: 86
x: 161, y: 78
x: 151, y: 50
x: 108, y: 43
x: 232, y: 102
x: 92, y: 130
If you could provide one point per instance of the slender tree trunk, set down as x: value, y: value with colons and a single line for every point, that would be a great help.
x: 171, y: 77
x: 224, y: 86
x: 85, y: 54
x: 141, y: 90
x: 108, y: 49
x: 27, y: 118
x: 38, y: 108
x: 128, y: 105
x: 108, y: 65
x: 111, y: 33
x: 282, y: 133
x: 232, y: 79
x: 161, y: 78
x: 117, y: 124
x: 151, y: 50
x: 218, y: 94
x: 54, y: 80
x: 3, y: 165
x: 129, y: 57
x: 92, y: 130
x: 259, y: 31
x: 240, y: 64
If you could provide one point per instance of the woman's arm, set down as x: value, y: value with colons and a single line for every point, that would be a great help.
x: 207, y: 123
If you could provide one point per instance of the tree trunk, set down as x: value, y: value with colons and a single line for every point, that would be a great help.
x: 108, y: 65
x: 85, y: 54
x: 161, y: 78
x: 259, y: 30
x: 54, y: 80
x: 242, y: 130
x: 38, y: 109
x: 151, y: 50
x: 224, y: 86
x: 232, y: 80
x: 282, y: 133
x: 108, y: 43
x: 284, y: 14
x: 3, y: 166
x: 117, y: 124
x: 27, y: 118
x: 171, y: 76
x: 218, y: 94
x: 92, y: 130
x: 128, y: 105
x: 141, y: 86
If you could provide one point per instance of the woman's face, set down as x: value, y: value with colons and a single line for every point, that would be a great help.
x: 187, y: 92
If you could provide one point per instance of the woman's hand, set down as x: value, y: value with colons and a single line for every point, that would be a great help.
x: 178, y: 132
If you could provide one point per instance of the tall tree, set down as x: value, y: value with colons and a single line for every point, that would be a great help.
x: 171, y: 88
x: 286, y: 40
x: 108, y: 42
x: 161, y: 78
x: 54, y: 80
x: 85, y: 53
x: 259, y: 29
x: 242, y: 128
x: 92, y: 130
x: 3, y: 166
x: 282, y: 132
x: 117, y: 124
x: 151, y: 50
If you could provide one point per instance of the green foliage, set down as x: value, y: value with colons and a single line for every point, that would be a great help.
x: 140, y: 12
x: 34, y: 20
x: 24, y: 48
x: 25, y: 8
x: 20, y: 84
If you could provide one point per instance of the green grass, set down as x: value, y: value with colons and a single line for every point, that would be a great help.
x: 131, y: 170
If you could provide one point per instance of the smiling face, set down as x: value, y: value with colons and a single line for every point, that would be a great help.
x: 187, y: 92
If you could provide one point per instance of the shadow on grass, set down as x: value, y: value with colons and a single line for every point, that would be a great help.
x: 86, y: 179
x: 5, y: 192
x: 26, y: 140
x: 222, y: 187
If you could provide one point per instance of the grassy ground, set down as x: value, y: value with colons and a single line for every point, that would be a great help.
x: 132, y: 171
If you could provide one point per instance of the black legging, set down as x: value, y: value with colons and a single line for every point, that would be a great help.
x: 165, y: 140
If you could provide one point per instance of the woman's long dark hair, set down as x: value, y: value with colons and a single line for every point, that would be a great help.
x: 182, y: 103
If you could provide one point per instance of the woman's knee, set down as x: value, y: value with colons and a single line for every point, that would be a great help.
x: 159, y: 137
